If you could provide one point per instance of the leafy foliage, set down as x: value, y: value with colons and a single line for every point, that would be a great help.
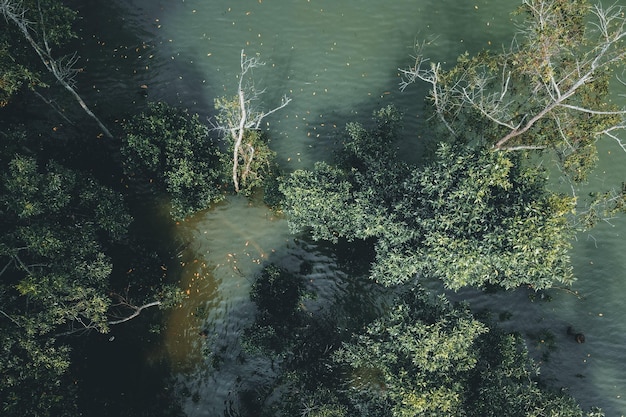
x: 278, y: 295
x: 427, y: 357
x: 418, y: 355
x: 55, y: 223
x: 481, y: 217
x: 471, y: 217
x: 172, y: 147
x: 548, y: 90
x: 56, y: 226
x: 13, y: 75
x: 422, y: 357
x: 34, y: 373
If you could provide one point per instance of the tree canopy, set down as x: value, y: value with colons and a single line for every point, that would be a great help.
x: 57, y: 230
x: 19, y: 65
x: 548, y: 90
x: 470, y: 217
x: 479, y: 213
x: 423, y: 356
x: 427, y: 357
x: 171, y: 147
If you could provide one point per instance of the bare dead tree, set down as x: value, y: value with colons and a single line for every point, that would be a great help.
x: 63, y: 69
x: 554, y: 68
x: 236, y: 118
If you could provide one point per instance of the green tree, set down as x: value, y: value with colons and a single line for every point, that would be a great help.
x: 59, y: 228
x: 470, y: 217
x: 35, y: 378
x: 418, y: 356
x: 172, y: 148
x: 422, y: 357
x: 426, y: 357
x: 549, y: 90
x: 278, y: 296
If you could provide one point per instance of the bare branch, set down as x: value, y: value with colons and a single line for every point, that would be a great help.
x: 6, y: 266
x: 54, y: 106
x: 523, y: 147
x: 10, y: 318
x: 63, y: 68
x: 136, y: 310
x: 245, y: 117
x: 550, y: 69
x: 610, y: 133
x: 429, y: 72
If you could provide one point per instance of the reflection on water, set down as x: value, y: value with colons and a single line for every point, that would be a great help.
x: 227, y: 246
x: 338, y: 61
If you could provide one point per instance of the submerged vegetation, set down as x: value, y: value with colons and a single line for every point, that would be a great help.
x: 423, y: 356
x: 478, y: 213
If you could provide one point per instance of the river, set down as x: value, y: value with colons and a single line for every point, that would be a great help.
x: 338, y: 61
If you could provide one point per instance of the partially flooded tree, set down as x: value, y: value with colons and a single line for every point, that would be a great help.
x: 32, y: 26
x: 241, y: 120
x: 471, y: 217
x: 549, y: 89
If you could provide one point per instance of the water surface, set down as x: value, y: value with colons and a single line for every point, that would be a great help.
x: 338, y: 61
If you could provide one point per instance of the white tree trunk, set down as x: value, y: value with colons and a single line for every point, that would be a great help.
x: 247, y: 118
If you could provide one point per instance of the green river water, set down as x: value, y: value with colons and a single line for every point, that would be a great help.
x: 338, y: 61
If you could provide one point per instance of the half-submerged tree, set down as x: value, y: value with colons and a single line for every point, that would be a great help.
x: 549, y: 89
x: 427, y: 357
x: 240, y: 120
x: 33, y: 25
x: 422, y: 357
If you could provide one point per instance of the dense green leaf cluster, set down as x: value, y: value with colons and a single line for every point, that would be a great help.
x: 426, y: 357
x: 57, y: 227
x: 34, y: 375
x: 422, y: 357
x: 470, y: 217
x: 277, y: 294
x: 171, y: 147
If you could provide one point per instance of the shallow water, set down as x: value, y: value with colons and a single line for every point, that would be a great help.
x: 338, y: 61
